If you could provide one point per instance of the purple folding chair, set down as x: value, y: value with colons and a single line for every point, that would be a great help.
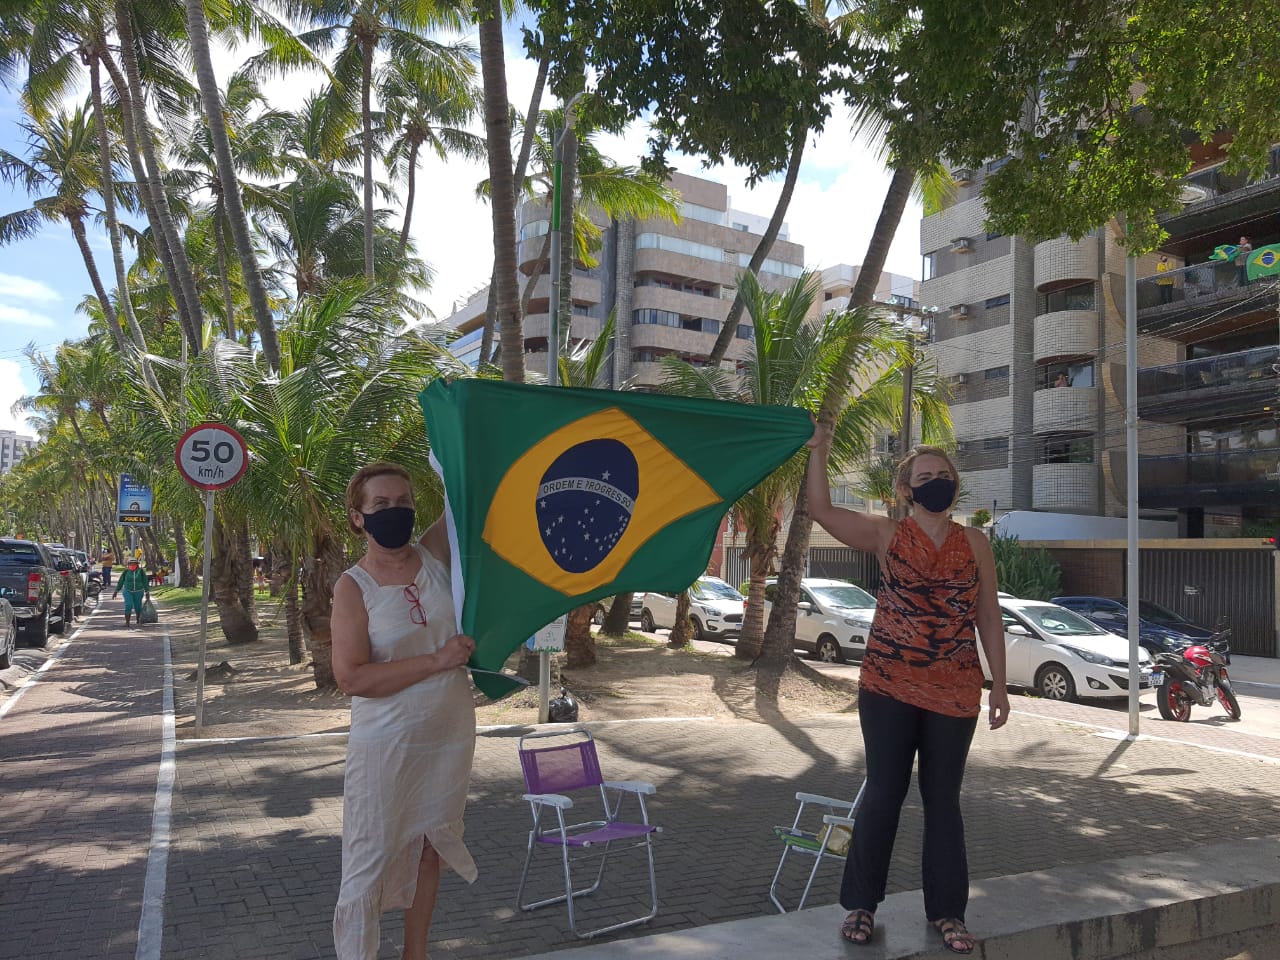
x: 549, y: 773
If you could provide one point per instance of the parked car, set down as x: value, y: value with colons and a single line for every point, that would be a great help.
x: 715, y: 609
x: 602, y: 608
x: 1064, y: 655
x: 73, y: 585
x: 1159, y: 630
x: 833, y: 618
x: 8, y: 629
x: 39, y: 595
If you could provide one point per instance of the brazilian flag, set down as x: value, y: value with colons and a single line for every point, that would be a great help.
x: 558, y: 496
x: 1264, y: 262
x: 1224, y: 251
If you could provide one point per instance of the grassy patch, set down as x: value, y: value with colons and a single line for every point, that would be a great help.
x: 178, y: 596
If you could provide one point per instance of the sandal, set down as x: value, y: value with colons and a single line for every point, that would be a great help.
x: 858, y: 927
x: 954, y: 935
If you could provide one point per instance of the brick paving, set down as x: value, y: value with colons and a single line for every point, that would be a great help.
x: 253, y: 866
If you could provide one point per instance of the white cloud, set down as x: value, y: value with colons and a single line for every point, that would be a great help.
x: 11, y: 390
x: 21, y: 316
x: 23, y: 288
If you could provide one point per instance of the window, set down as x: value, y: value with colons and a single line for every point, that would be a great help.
x: 660, y: 241
x: 1067, y: 450
x: 994, y: 234
x: 995, y: 165
x: 700, y: 324
x: 745, y: 331
x: 1077, y: 297
x: 694, y: 211
x: 534, y: 229
x: 777, y: 267
x: 929, y: 269
x: 663, y: 318
x: 995, y: 443
x: 993, y: 302
x: 996, y: 373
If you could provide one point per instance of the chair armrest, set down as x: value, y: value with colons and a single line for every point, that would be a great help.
x: 559, y: 801
x: 631, y: 786
x: 828, y: 801
x: 835, y: 821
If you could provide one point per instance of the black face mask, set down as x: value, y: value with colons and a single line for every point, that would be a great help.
x: 936, y: 495
x: 390, y: 527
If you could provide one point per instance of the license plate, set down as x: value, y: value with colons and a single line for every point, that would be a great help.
x: 1157, y: 679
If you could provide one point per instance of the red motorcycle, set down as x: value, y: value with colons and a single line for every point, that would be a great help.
x: 1197, y: 676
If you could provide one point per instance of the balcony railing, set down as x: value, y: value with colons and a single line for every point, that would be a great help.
x: 1180, y: 392
x: 1205, y: 479
x: 1200, y: 281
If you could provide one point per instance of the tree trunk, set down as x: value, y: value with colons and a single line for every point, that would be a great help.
x: 568, y: 247
x: 293, y: 622
x: 408, y: 198
x: 782, y: 619
x: 681, y: 632
x: 579, y: 645
x: 186, y: 573
x: 244, y: 569
x: 760, y: 555
x: 618, y: 619
x: 522, y: 166
x: 366, y: 125
x: 149, y: 165
x: 624, y: 302
x: 502, y: 188
x: 91, y: 266
x: 211, y: 99
x: 108, y: 200
x: 224, y: 587
x: 728, y: 330
x: 224, y: 275
x: 322, y: 571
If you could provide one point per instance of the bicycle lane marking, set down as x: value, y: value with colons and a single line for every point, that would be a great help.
x: 30, y: 680
x: 151, y: 920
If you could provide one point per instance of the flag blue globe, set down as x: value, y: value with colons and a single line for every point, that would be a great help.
x: 585, y: 502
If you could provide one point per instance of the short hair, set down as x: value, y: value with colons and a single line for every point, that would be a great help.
x: 355, y: 488
x: 924, y: 450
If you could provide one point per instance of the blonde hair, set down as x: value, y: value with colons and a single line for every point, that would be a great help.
x: 355, y: 487
x: 903, y: 479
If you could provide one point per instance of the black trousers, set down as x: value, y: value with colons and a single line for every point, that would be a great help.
x: 893, y: 734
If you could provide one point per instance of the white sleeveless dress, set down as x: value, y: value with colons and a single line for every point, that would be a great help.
x: 408, y: 764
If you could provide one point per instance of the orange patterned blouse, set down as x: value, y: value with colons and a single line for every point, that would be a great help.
x: 923, y: 648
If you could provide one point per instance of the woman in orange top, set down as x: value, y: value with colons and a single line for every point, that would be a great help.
x: 921, y: 683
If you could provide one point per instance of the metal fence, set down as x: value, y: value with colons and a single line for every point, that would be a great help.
x: 835, y: 563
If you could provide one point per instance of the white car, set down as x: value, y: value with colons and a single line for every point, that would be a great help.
x: 833, y: 618
x: 715, y: 609
x: 1064, y: 656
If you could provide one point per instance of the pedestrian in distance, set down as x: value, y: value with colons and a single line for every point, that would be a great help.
x: 1242, y: 261
x: 1062, y: 380
x: 1163, y: 280
x: 920, y: 691
x: 108, y: 561
x: 134, y: 584
x: 413, y: 723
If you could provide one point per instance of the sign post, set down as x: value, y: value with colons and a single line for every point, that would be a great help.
x: 548, y: 640
x: 212, y: 457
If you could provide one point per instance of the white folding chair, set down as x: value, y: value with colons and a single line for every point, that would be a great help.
x: 804, y: 837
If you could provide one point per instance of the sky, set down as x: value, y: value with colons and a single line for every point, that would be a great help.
x: 833, y: 211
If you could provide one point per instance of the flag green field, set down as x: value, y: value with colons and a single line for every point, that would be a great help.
x: 559, y: 496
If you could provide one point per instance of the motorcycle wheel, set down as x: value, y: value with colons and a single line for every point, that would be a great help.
x: 1227, y: 697
x: 1171, y: 703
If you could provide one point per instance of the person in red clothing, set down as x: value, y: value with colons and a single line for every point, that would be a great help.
x: 920, y: 691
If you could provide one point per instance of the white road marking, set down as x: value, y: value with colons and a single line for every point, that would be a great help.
x: 151, y: 922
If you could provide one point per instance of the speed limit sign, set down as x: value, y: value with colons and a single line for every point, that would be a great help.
x: 211, y: 456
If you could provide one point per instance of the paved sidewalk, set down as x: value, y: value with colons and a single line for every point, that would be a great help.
x: 79, y: 755
x: 254, y: 858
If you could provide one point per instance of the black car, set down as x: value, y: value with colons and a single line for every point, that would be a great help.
x: 1160, y: 630
x: 39, y: 595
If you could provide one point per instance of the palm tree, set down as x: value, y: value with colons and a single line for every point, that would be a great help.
x: 792, y: 362
x: 423, y: 111
x: 63, y: 172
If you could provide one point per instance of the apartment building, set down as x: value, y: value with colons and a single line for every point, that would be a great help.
x: 1218, y: 398
x: 1032, y: 339
x: 13, y: 447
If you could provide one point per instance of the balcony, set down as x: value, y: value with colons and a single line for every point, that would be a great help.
x: 1202, y: 288
x: 1066, y: 333
x: 1220, y: 200
x: 1233, y: 383
x: 1240, y: 478
x: 1065, y: 487
x: 1065, y: 410
x: 1063, y: 259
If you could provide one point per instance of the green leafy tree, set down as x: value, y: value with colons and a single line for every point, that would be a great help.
x: 1024, y: 572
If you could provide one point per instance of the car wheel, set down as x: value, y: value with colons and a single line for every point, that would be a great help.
x: 698, y: 633
x: 63, y: 619
x: 40, y: 630
x: 828, y: 651
x: 1054, y: 683
x: 646, y: 621
x: 10, y: 643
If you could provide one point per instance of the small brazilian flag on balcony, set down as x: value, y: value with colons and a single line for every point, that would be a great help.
x: 558, y: 496
x: 1264, y: 262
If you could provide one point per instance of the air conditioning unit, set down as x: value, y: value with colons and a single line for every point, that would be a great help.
x: 963, y: 177
x: 962, y: 245
x: 960, y: 311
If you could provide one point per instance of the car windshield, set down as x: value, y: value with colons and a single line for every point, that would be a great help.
x: 19, y: 553
x: 1058, y: 621
x: 846, y: 596
x: 716, y: 590
x: 1153, y: 611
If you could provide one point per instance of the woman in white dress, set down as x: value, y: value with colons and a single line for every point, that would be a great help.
x: 413, y: 724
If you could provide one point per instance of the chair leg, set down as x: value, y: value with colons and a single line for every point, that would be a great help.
x: 653, y: 901
x: 773, y: 887
x: 817, y: 862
